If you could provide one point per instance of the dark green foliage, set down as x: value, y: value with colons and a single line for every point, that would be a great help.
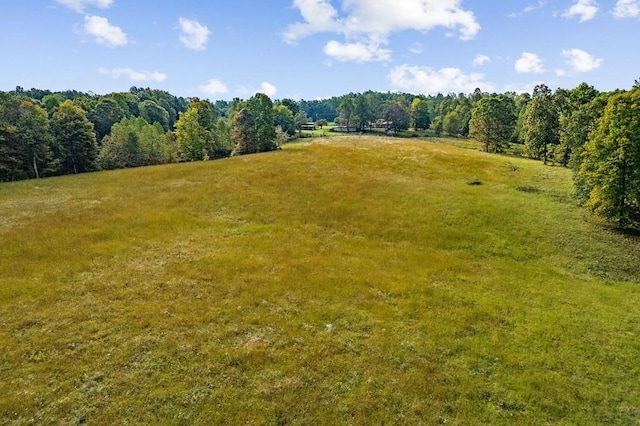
x: 493, y: 122
x: 198, y: 133
x: 154, y: 113
x: 364, y: 110
x: 577, y: 119
x: 420, y: 119
x: 105, y: 114
x: 321, y: 123
x: 290, y: 104
x: 283, y: 117
x: 254, y: 129
x: 397, y: 115
x: 25, y: 140
x: 610, y: 170
x: 133, y: 142
x: 75, y: 138
x: 346, y: 111
x: 172, y: 104
x: 33, y: 132
x: 541, y: 124
x: 243, y: 132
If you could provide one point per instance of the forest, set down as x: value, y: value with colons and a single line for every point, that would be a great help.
x: 596, y: 134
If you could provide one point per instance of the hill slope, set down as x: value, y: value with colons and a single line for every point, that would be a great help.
x: 361, y: 281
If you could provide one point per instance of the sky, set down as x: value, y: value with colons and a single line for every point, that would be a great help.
x: 314, y: 49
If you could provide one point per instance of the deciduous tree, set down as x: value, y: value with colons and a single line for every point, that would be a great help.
x: 75, y: 138
x: 493, y: 122
x: 33, y: 133
x: 397, y: 115
x: 133, y: 142
x: 610, y: 170
x: 541, y: 125
x: 420, y: 119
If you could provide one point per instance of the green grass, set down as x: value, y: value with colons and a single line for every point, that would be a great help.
x: 355, y: 280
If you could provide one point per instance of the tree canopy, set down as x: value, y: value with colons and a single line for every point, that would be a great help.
x: 610, y: 169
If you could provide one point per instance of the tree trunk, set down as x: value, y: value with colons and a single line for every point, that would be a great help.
x: 35, y: 168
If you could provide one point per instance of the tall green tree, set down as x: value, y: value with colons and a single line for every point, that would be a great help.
x: 9, y: 144
x: 363, y: 110
x: 610, y: 170
x: 253, y: 128
x: 577, y: 119
x: 25, y: 139
x: 299, y: 119
x: 541, y: 124
x: 75, y: 138
x: 261, y: 108
x: 420, y: 119
x: 346, y: 111
x: 33, y: 132
x: 283, y: 117
x: 243, y: 132
x: 199, y: 134
x: 493, y: 122
x: 397, y: 115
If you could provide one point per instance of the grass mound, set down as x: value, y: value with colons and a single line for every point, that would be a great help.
x: 357, y: 280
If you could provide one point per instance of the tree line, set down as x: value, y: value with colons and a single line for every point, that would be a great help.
x: 596, y: 134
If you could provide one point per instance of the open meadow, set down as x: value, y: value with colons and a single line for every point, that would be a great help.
x: 353, y: 280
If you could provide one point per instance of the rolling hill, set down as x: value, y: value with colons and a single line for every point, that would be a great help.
x: 346, y: 281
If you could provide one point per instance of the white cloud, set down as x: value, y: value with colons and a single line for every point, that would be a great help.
x: 561, y: 72
x: 416, y: 79
x: 366, y: 23
x: 581, y: 61
x: 194, y: 35
x: 480, y: 60
x: 133, y: 75
x: 358, y: 52
x: 530, y: 8
x: 80, y: 5
x: 268, y: 89
x: 319, y: 16
x: 103, y: 32
x: 529, y: 63
x: 627, y: 9
x: 213, y: 87
x: 585, y: 9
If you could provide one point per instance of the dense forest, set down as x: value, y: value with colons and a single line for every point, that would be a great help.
x: 597, y: 134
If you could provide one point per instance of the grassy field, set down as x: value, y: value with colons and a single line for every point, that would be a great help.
x: 353, y: 280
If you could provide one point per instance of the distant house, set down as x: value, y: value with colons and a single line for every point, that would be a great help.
x: 380, y: 124
x: 308, y: 126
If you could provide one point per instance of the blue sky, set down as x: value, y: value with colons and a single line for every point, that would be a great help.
x: 309, y: 49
